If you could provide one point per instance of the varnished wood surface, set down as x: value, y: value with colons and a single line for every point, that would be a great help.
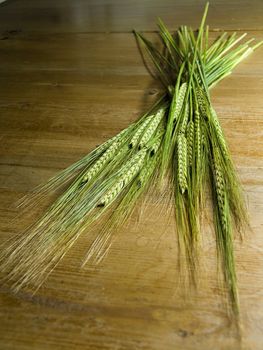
x: 65, y: 88
x: 109, y: 15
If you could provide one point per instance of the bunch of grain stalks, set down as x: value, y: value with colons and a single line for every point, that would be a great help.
x: 179, y: 139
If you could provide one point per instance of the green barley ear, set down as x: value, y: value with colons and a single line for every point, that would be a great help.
x: 190, y: 141
x: 236, y: 198
x: 126, y: 175
x: 174, y: 112
x: 219, y: 133
x: 139, y: 132
x: 185, y: 118
x: 224, y: 231
x: 197, y: 131
x: 151, y: 127
x: 101, y: 162
x: 182, y: 162
x: 178, y: 103
x: 202, y: 102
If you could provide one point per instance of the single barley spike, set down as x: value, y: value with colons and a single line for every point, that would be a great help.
x: 174, y: 112
x: 219, y: 132
x: 220, y: 190
x: 182, y: 162
x: 99, y: 164
x: 138, y: 133
x: 127, y: 173
x: 190, y: 141
x: 201, y: 102
x: 151, y: 128
x: 224, y: 232
x: 109, y: 148
x: 179, y: 102
x: 197, y: 134
x: 185, y: 119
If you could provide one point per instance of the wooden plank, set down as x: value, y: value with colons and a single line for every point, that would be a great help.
x: 109, y: 15
x: 60, y: 96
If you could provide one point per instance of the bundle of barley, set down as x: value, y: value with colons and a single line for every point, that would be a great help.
x: 179, y: 139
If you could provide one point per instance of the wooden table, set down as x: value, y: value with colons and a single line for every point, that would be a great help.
x: 70, y: 77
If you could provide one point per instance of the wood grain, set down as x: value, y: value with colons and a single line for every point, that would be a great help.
x: 64, y: 90
x: 119, y: 16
